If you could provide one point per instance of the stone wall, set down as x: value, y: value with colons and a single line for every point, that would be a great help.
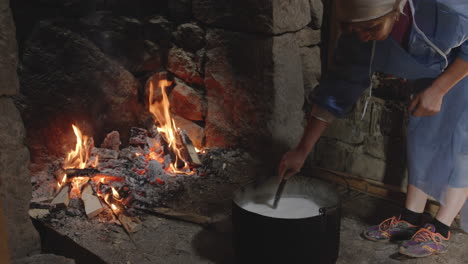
x: 372, y: 147
x: 15, y: 182
x: 242, y: 67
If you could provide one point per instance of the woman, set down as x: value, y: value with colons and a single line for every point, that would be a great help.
x: 416, y: 40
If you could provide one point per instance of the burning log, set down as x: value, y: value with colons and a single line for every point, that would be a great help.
x: 192, y: 153
x: 92, y: 204
x: 81, y: 172
x: 62, y: 198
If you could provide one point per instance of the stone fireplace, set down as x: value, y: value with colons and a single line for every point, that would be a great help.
x: 241, y: 73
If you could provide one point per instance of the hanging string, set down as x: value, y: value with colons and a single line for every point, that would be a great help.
x: 370, y: 79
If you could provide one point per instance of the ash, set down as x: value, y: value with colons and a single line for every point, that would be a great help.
x: 144, y: 183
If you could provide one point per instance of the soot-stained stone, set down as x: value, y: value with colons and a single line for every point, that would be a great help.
x: 264, y: 16
x: 254, y: 91
x: 190, y: 37
x: 66, y: 79
x: 186, y: 65
x: 187, y: 102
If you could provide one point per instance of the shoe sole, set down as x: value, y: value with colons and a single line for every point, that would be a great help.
x: 404, y: 252
x: 373, y: 239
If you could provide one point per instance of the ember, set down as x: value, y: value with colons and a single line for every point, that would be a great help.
x: 117, y: 176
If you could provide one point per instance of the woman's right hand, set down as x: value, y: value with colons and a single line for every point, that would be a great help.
x: 291, y: 163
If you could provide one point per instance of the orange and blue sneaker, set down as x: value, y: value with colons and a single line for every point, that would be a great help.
x: 392, y: 228
x: 425, y: 242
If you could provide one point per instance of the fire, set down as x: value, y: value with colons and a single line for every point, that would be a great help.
x: 167, y: 127
x: 115, y: 193
x: 78, y: 158
x: 77, y: 183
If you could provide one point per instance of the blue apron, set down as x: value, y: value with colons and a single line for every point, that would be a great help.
x: 437, y: 146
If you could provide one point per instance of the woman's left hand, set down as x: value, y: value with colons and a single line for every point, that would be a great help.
x: 427, y: 103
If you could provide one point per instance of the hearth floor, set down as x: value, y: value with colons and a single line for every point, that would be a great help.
x: 170, y: 241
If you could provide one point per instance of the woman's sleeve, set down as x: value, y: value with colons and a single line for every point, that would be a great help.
x: 347, y: 77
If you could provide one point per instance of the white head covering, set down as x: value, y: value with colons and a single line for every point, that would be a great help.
x: 363, y: 10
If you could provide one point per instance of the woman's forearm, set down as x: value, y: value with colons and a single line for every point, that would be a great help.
x: 456, y: 71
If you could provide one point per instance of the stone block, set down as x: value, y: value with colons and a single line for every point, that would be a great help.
x: 187, y: 102
x: 185, y: 65
x: 331, y: 154
x: 311, y: 68
x: 375, y: 146
x: 345, y: 130
x: 44, y: 259
x: 365, y: 166
x: 290, y: 15
x: 15, y: 183
x: 263, y: 16
x: 190, y: 37
x: 257, y: 97
x: 8, y: 53
x: 316, y: 12
x: 287, y: 118
x: 307, y: 37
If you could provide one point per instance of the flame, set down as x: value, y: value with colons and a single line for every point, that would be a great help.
x: 167, y: 128
x: 64, y: 179
x: 77, y: 183
x: 115, y: 193
x: 114, y: 208
x: 78, y: 158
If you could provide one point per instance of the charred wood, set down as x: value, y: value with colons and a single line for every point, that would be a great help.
x: 81, y: 172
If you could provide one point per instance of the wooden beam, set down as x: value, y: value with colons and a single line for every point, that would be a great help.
x: 92, y: 204
x: 131, y: 224
x: 368, y: 186
x: 187, y: 217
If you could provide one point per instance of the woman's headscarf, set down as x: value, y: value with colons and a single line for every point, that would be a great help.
x: 363, y: 10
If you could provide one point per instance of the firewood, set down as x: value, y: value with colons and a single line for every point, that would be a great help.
x: 92, y: 204
x: 131, y: 224
x: 81, y: 172
x: 192, y: 153
x: 187, y: 217
x: 38, y: 213
x: 62, y: 198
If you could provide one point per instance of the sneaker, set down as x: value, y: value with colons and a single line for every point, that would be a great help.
x: 425, y: 242
x: 390, y: 229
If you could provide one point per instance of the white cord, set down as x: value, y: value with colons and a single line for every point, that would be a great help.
x: 441, y: 53
x: 370, y: 78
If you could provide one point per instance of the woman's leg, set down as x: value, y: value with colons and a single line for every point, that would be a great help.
x: 454, y: 201
x: 415, y: 199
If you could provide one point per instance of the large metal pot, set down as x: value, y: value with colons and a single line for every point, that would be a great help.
x: 265, y: 236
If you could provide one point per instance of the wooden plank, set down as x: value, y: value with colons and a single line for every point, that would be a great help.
x: 131, y: 224
x: 37, y: 213
x: 62, y: 198
x: 92, y: 204
x: 192, y: 153
x: 187, y: 217
x: 371, y: 187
